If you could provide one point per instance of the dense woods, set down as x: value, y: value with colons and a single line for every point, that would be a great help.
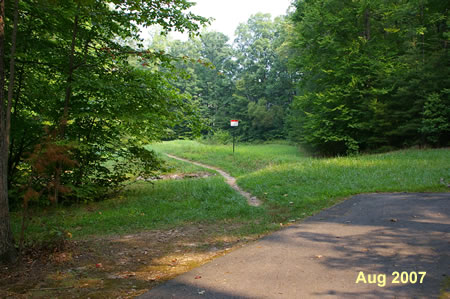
x: 373, y: 74
x: 81, y: 92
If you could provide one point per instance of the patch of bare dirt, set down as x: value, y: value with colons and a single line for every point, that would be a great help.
x: 116, y: 267
x: 177, y: 176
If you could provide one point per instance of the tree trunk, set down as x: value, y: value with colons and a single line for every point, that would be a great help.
x: 14, y: 156
x: 64, y: 119
x: 7, y: 249
x: 69, y: 77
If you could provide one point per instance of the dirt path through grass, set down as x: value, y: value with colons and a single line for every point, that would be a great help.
x: 252, y: 200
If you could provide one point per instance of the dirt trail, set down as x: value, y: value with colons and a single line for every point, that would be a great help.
x: 252, y: 200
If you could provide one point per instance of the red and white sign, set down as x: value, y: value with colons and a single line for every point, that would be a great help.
x: 234, y: 122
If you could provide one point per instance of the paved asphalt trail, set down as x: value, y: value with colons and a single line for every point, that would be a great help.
x: 322, y: 256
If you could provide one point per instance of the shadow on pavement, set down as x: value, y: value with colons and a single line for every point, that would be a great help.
x: 323, y: 256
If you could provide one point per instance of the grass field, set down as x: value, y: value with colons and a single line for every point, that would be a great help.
x: 293, y: 185
x: 248, y: 158
x: 290, y: 184
x: 145, y: 206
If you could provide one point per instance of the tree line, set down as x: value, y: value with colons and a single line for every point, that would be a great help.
x: 248, y: 79
x: 374, y: 74
x: 338, y: 77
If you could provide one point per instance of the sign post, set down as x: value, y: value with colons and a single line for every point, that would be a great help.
x: 234, y: 123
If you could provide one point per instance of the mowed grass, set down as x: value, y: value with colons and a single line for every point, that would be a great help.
x: 145, y: 206
x: 247, y: 158
x: 293, y: 185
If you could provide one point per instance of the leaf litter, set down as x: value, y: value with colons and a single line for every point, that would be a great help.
x: 117, y: 266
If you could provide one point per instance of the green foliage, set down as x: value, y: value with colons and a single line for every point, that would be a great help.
x: 52, y: 238
x: 218, y: 137
x: 364, y: 77
x: 266, y: 119
x: 367, y: 70
x: 82, y: 72
x: 264, y: 86
x: 436, y: 115
x: 248, y: 80
x: 208, y: 69
x: 104, y: 175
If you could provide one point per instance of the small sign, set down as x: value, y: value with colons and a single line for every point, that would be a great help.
x: 234, y: 122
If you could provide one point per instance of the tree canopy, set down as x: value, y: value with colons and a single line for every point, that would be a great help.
x: 369, y: 73
x: 247, y: 79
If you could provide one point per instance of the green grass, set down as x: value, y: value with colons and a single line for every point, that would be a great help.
x: 291, y: 185
x: 176, y: 166
x: 143, y: 206
x: 306, y: 187
x: 247, y: 158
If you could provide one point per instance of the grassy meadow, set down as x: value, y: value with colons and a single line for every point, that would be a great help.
x: 291, y: 184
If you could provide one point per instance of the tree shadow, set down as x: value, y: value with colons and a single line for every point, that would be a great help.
x: 374, y: 233
x: 381, y: 233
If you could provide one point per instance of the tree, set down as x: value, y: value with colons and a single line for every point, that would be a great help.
x: 264, y: 86
x: 79, y: 88
x: 361, y: 64
x: 216, y: 83
x: 248, y: 80
x: 7, y: 250
x: 208, y: 74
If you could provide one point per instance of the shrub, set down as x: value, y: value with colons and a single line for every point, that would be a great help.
x: 219, y: 137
